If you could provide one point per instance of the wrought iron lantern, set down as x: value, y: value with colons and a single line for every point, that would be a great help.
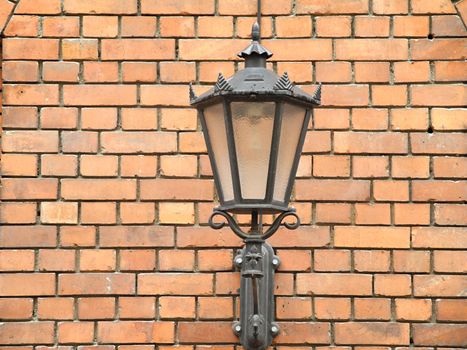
x: 254, y: 125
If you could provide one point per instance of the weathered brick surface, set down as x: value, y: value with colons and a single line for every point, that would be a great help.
x: 107, y: 187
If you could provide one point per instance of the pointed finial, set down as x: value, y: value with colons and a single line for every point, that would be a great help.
x: 317, y: 94
x: 284, y: 83
x: 222, y: 84
x: 255, y: 32
x: 192, y: 93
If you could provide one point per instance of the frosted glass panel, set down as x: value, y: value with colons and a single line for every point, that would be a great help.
x: 292, y: 122
x: 253, y: 124
x: 214, y: 117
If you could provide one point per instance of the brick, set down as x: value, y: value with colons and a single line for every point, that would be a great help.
x: 20, y: 71
x: 451, y: 310
x: 300, y: 49
x: 331, y: 260
x: 100, y: 26
x: 27, y: 333
x: 331, y: 166
x: 391, y: 190
x: 446, y: 191
x: 389, y: 95
x: 56, y: 260
x: 372, y: 49
x: 141, y: 26
x: 411, y: 261
x: 96, y: 308
x: 331, y: 118
x: 138, y: 49
x: 177, y: 307
x: 393, y: 285
x: 137, y: 307
x: 331, y: 7
x: 446, y: 261
x: 138, y: 260
x: 99, y: 95
x: 317, y: 141
x: 28, y: 236
x: 438, y: 237
x: 439, y: 334
x: 7, y: 8
x: 372, y: 214
x: 371, y: 72
x: 413, y: 309
x: 215, y: 260
x: 137, y: 213
x: 372, y: 237
x: 450, y: 71
x: 15, y: 308
x: 368, y: 142
x: 79, y: 49
x: 215, y: 308
x: 411, y: 26
x: 175, y: 283
x: 205, y: 332
x: 411, y: 214
x: 338, y: 190
x: 117, y: 142
x: 29, y: 189
x: 59, y: 118
x: 30, y: 95
x: 17, y: 260
x: 390, y: 7
x: 439, y: 285
x: 445, y: 167
x: 176, y: 260
x: 371, y: 260
x: 179, y: 165
x: 209, y: 71
x: 216, y: 27
x: 98, y: 118
x: 140, y: 166
x: 96, y: 284
x: 30, y: 141
x: 63, y: 27
x: 450, y: 214
x: 77, y: 236
x: 176, y: 189
x: 103, y: 7
x: 79, y: 142
x: 19, y: 164
x: 98, y: 189
x: 60, y: 71
x: 177, y: 27
x: 244, y: 25
x: 294, y: 27
x: 139, y: 71
x: 435, y: 6
x: 18, y: 213
x: 370, y: 166
x: 55, y: 308
x: 372, y: 308
x: 445, y: 95
x: 164, y: 95
x: 59, y: 213
x: 136, y: 236
x: 405, y: 72
x: 30, y: 49
x: 176, y: 213
x: 332, y: 308
x: 439, y: 49
x: 333, y: 72
x: 175, y: 72
x: 334, y: 284
x: 97, y: 260
x: 22, y: 26
x: 342, y: 95
x: 20, y: 117
x: 409, y: 119
x: 98, y: 213
x: 371, y: 26
x: 177, y: 7
x: 75, y: 332
x: 96, y: 165
x: 303, y: 332
x: 27, y: 284
x: 369, y: 333
x: 369, y: 119
x: 100, y: 72
x: 447, y: 26
x: 448, y: 119
x: 188, y: 237
x: 58, y: 165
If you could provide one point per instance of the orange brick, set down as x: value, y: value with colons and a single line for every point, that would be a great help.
x: 59, y: 118
x: 334, y: 284
x: 329, y: 6
x: 75, y: 332
x: 333, y: 72
x: 92, y: 165
x: 100, y: 72
x: 446, y: 167
x: 15, y: 308
x: 332, y: 190
x: 439, y: 49
x: 79, y: 142
x: 27, y: 333
x: 372, y: 260
x: 139, y: 166
x: 451, y: 310
x: 30, y: 49
x: 96, y: 283
x: 393, y: 285
x: 345, y: 95
x: 209, y: 71
x: 18, y: 213
x: 59, y: 165
x: 438, y: 143
x: 371, y: 237
x: 103, y: 7
x: 411, y: 261
x: 372, y: 308
x: 177, y: 189
x: 17, y: 188
x: 137, y: 213
x: 450, y: 71
x: 448, y: 119
x: 139, y: 118
x: 372, y: 49
x: 317, y: 142
x: 98, y: 118
x: 27, y: 284
x: 333, y: 213
x: 369, y: 333
x: 30, y: 95
x: 164, y: 95
x: 332, y: 308
x: 177, y: 26
x: 391, y: 190
x: 413, y: 309
x: 215, y: 27
x: 60, y: 71
x: 100, y: 26
x: 176, y: 213
x: 331, y: 166
x: 409, y: 119
x: 370, y: 142
x: 369, y: 119
x: 59, y: 213
x: 411, y: 214
x: 215, y: 260
x: 390, y: 7
x: 20, y: 117
x: 98, y: 213
x: 139, y: 260
x: 179, y: 165
x: 79, y: 49
x: 371, y: 214
x: 22, y: 26
x: 215, y: 308
x: 371, y: 72
x: 177, y: 307
x: 64, y: 27
x: 55, y: 308
x: 450, y: 214
x: 175, y: 284
x: 438, y: 237
x: 410, y: 167
x: 331, y: 118
x: 368, y: 167
x: 411, y: 26
x: 435, y: 6
x: 293, y: 308
x: 139, y: 71
x: 140, y: 26
x: 411, y: 72
x: 446, y: 261
x: 175, y: 72
x: 332, y: 260
x: 96, y: 308
x: 177, y: 7
x: 16, y: 260
x: 97, y: 260
x: 19, y: 164
x: 137, y: 307
x: 77, y: 236
x: 294, y: 27
x: 176, y: 260
x: 371, y: 26
x: 389, y: 95
x: 99, y: 95
x: 43, y: 7
x: 20, y: 71
x: 136, y: 332
x: 244, y: 25
x: 56, y: 260
x: 138, y: 49
x: 333, y: 26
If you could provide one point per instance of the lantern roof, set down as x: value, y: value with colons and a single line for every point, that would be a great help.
x: 255, y: 80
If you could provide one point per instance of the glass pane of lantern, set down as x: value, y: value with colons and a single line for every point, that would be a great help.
x: 214, y: 117
x: 292, y: 122
x: 253, y: 123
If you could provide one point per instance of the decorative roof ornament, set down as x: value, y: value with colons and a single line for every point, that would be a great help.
x: 222, y: 84
x: 255, y: 47
x: 284, y: 83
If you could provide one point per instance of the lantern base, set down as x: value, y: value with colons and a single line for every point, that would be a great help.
x: 246, y: 208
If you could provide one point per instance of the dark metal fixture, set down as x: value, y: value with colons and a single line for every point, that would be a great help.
x: 254, y: 126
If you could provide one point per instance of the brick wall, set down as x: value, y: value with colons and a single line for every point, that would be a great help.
x: 107, y: 186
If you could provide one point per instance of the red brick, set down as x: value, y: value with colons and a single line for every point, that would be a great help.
x: 369, y: 119
x: 331, y: 118
x: 20, y: 117
x: 46, y: 7
x: 372, y: 214
x: 96, y: 165
x: 65, y: 27
x: 293, y: 308
x: 409, y: 119
x: 33, y: 188
x: 439, y: 237
x: 18, y: 213
x: 368, y: 142
x: 97, y: 260
x: 215, y: 260
x: 164, y: 95
x: 100, y: 26
x: 447, y: 26
x: 294, y: 27
x: 175, y: 283
x: 138, y: 49
x: 16, y: 260
x: 56, y: 260
x: 372, y: 237
x: 179, y: 165
x: 137, y: 307
x: 389, y: 95
x: 15, y: 308
x: 411, y: 26
x: 175, y: 72
x: 370, y: 166
x: 98, y: 213
x: 30, y: 49
x: 178, y: 119
x: 244, y: 25
x: 405, y: 72
x: 27, y: 284
x: 6, y: 10
x: 439, y: 285
x: 206, y: 332
x: 434, y: 6
x: 333, y: 72
x: 411, y: 261
x: 317, y: 141
x: 390, y: 7
x: 177, y: 27
x: 371, y: 26
x: 393, y: 285
x: 176, y: 260
x: 372, y: 49
x: 96, y: 284
x: 20, y: 71
x: 19, y: 164
x: 411, y: 214
x: 79, y: 142
x: 413, y: 309
x: 370, y: 333
x: 342, y: 95
x: 28, y: 236
x: 336, y: 190
x: 439, y: 334
x: 177, y: 307
x: 59, y: 118
x: 98, y: 118
x: 331, y: 166
x: 140, y: 26
x: 103, y: 7
x: 331, y: 260
x: 446, y: 191
x: 176, y: 189
x: 75, y: 332
x: 96, y: 308
x: 445, y: 167
x: 391, y: 190
x: 100, y: 72
x: 177, y: 7
x: 22, y: 26
x: 332, y: 308
x: 372, y: 308
x: 334, y: 284
x: 77, y: 236
x: 303, y: 332
x: 98, y: 189
x: 140, y: 166
x: 136, y: 236
x: 450, y: 71
x: 447, y: 261
x: 371, y: 260
x: 55, y: 308
x: 27, y: 333
x: 99, y: 95
x: 377, y: 72
x: 60, y: 71
x: 448, y: 119
x: 439, y: 49
x: 58, y: 165
x: 79, y: 49
x: 450, y: 214
x: 137, y: 213
x: 142, y: 142
x: 139, y: 260
x: 30, y: 95
x: 451, y: 310
x: 445, y: 95
x: 216, y: 27
x: 331, y: 7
